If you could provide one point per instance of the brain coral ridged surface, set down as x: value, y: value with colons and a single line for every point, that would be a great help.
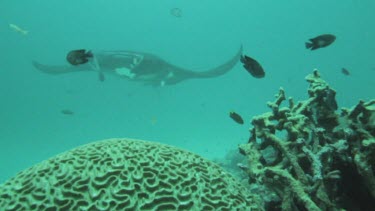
x: 124, y: 174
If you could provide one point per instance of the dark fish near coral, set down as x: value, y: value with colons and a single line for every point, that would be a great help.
x: 345, y: 71
x: 77, y: 57
x: 320, y: 41
x: 252, y: 66
x: 236, y: 117
x: 67, y: 112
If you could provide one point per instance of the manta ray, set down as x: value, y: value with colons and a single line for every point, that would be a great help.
x: 147, y: 68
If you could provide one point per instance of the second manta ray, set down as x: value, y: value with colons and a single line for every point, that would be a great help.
x: 135, y: 66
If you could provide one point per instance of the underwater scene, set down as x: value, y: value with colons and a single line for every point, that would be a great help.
x: 187, y: 105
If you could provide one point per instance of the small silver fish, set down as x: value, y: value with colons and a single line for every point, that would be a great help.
x: 18, y: 29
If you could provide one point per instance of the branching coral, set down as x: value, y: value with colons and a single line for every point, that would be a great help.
x: 323, y: 160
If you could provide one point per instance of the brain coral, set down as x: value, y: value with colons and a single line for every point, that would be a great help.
x: 124, y: 174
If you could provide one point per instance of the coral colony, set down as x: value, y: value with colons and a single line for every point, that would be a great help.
x: 306, y: 156
x: 124, y: 174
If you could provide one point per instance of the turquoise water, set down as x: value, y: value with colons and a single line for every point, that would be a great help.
x: 193, y: 114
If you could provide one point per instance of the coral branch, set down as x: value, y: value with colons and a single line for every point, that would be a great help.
x: 321, y: 158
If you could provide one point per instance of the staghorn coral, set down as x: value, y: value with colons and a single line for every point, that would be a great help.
x: 125, y: 174
x: 323, y: 160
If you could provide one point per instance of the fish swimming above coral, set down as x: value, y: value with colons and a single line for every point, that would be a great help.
x: 236, y: 117
x: 134, y: 66
x: 320, y: 41
x: 345, y: 71
x: 67, y: 112
x: 252, y: 66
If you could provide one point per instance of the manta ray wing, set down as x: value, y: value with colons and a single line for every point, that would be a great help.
x: 59, y: 69
x: 145, y: 68
x: 180, y: 74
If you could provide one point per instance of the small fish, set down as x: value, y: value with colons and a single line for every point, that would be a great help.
x: 77, y: 57
x: 345, y: 71
x: 236, y: 117
x: 67, y: 112
x: 18, y: 29
x: 176, y: 12
x: 320, y: 41
x: 101, y: 76
x: 252, y: 66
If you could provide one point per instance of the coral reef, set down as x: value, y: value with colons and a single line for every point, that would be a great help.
x: 308, y: 156
x: 303, y: 156
x: 125, y: 174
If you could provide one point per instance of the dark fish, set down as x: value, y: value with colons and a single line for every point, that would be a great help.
x: 320, y: 41
x: 77, y: 57
x: 67, y: 112
x: 176, y: 12
x: 345, y: 71
x: 236, y: 117
x: 252, y: 66
x: 101, y: 76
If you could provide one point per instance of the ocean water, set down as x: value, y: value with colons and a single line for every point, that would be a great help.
x: 193, y: 114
